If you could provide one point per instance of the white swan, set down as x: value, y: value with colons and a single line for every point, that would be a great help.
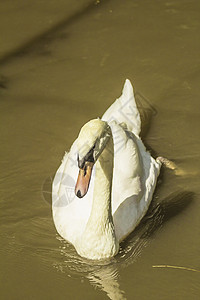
x: 105, y: 183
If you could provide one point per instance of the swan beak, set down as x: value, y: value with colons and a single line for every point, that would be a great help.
x: 83, y: 180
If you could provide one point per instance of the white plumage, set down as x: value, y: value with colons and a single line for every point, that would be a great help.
x: 121, y: 185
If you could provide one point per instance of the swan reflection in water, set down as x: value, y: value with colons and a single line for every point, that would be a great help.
x: 104, y: 275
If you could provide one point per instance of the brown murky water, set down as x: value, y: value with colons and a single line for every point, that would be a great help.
x: 61, y: 64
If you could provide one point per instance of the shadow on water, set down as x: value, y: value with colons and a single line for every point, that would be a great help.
x: 147, y: 112
x: 104, y: 275
x: 36, y: 44
x: 3, y: 82
x: 157, y: 215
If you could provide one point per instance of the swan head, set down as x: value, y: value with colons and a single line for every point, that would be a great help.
x: 91, y: 142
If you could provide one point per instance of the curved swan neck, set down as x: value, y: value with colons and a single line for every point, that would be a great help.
x: 101, y: 206
x: 98, y: 240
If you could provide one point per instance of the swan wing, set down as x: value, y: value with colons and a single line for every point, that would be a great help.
x: 124, y: 110
x: 134, y: 179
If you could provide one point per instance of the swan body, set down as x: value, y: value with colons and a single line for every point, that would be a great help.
x: 105, y: 183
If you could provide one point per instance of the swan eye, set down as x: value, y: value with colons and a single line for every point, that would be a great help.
x: 89, y: 157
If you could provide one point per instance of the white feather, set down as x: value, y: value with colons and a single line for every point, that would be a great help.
x: 129, y: 185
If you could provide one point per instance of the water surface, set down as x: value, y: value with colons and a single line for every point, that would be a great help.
x: 61, y: 65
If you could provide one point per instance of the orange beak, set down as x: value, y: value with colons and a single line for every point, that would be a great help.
x: 83, y: 179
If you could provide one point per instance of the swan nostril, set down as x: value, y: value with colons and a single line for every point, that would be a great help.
x: 78, y: 194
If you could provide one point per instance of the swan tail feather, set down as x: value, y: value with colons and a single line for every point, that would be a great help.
x: 124, y: 110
